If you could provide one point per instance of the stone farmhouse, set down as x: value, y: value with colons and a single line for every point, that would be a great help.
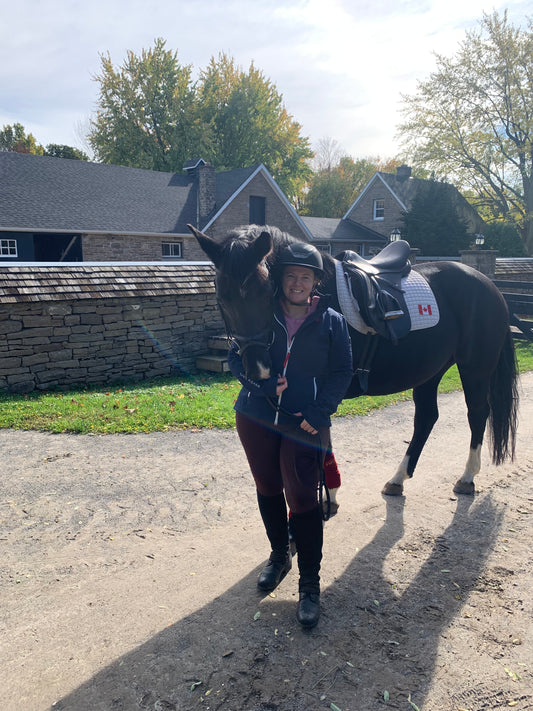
x: 59, y: 210
x: 380, y: 204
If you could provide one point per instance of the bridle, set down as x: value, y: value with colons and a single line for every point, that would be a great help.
x: 239, y: 343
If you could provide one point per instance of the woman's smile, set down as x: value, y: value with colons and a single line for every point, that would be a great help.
x: 298, y: 284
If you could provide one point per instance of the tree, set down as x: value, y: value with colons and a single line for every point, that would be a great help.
x: 249, y: 124
x: 471, y: 121
x: 505, y: 238
x: 328, y: 154
x: 432, y: 224
x: 14, y: 138
x: 151, y: 115
x: 333, y: 188
x: 57, y: 150
x: 146, y: 116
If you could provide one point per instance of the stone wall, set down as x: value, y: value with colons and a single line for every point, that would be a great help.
x: 88, y: 338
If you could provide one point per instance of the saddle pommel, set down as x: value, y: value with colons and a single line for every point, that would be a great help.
x: 393, y: 258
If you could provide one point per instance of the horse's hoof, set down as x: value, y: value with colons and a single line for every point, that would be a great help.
x: 465, y: 487
x: 391, y: 489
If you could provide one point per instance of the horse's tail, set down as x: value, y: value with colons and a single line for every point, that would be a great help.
x: 503, y: 400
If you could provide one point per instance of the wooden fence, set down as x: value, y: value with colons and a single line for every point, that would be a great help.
x: 519, y: 298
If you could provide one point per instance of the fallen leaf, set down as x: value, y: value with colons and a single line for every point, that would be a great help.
x: 386, y: 695
x: 514, y: 676
x: 257, y: 615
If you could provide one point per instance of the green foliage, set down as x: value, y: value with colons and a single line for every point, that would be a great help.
x: 471, y: 121
x: 14, y: 138
x: 61, y: 151
x: 432, y: 224
x: 505, y: 238
x: 151, y: 115
x: 333, y: 188
x: 146, y: 116
x: 248, y: 124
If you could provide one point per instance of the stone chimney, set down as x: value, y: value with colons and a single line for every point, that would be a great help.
x: 403, y: 172
x: 205, y: 179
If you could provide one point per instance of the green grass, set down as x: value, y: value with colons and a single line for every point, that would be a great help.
x: 171, y: 403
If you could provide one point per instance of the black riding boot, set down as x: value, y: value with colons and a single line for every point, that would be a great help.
x: 307, y: 529
x: 274, y: 514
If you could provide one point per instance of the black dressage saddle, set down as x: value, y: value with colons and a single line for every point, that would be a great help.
x: 376, y: 284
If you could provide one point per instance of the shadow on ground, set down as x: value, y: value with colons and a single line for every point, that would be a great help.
x: 375, y: 647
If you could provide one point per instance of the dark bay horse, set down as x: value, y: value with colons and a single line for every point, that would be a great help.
x: 473, y: 332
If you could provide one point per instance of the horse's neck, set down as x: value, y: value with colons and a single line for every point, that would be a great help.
x: 329, y: 287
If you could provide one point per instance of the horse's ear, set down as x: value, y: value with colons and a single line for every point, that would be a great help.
x: 262, y: 245
x: 210, y: 246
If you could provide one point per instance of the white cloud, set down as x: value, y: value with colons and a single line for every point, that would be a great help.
x: 341, y: 65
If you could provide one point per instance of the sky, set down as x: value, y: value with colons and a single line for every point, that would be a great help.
x: 341, y: 66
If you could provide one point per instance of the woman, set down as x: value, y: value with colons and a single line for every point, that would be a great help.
x: 284, y: 422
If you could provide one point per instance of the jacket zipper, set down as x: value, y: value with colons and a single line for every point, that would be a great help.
x: 285, y: 364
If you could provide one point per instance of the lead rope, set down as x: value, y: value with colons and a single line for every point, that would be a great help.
x: 320, y: 459
x: 326, y: 512
x: 284, y: 372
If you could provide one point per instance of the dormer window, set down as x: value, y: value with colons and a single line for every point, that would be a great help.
x: 379, y: 209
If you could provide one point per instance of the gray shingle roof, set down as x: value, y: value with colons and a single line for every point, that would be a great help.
x: 331, y: 228
x: 78, y: 282
x: 44, y: 193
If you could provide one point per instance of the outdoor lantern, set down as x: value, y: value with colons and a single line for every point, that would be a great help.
x: 395, y: 235
x: 480, y: 240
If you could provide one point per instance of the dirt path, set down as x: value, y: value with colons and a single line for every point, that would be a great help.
x: 129, y: 566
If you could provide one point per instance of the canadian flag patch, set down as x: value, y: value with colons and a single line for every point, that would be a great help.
x: 425, y: 310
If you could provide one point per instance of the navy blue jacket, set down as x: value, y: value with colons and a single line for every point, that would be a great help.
x: 319, y: 371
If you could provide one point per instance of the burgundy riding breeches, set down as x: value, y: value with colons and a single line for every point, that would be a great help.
x: 284, y: 458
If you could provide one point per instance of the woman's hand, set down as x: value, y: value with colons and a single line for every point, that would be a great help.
x: 282, y: 385
x: 305, y: 425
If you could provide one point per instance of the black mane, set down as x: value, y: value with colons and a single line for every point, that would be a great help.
x: 238, y: 259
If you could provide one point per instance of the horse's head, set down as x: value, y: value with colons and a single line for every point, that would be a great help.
x: 244, y: 293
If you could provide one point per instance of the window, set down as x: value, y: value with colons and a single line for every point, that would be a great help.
x: 379, y: 210
x: 8, y: 248
x: 171, y: 249
x: 324, y: 248
x: 257, y: 210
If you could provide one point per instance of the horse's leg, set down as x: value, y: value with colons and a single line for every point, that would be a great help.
x: 476, y: 391
x: 426, y: 414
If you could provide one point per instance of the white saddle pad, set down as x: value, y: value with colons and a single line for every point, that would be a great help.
x: 420, y: 300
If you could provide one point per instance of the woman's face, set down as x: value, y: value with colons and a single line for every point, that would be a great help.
x: 297, y: 284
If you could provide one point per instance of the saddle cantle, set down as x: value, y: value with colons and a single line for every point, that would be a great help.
x: 376, y: 284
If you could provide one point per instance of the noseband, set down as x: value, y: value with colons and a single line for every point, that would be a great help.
x: 241, y: 344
